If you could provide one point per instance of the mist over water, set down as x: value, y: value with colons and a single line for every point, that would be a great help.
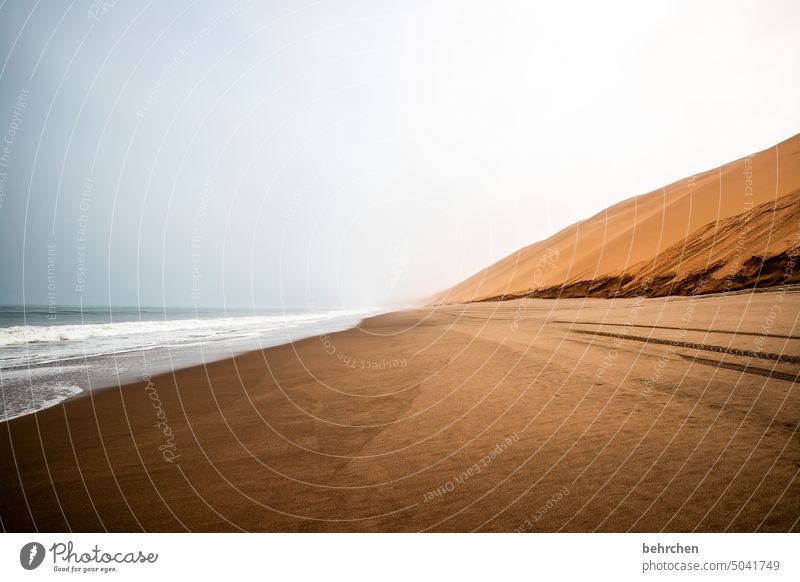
x: 357, y: 153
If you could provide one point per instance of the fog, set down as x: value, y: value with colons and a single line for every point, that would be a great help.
x: 353, y: 154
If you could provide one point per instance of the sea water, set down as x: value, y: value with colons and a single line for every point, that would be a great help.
x: 47, y: 355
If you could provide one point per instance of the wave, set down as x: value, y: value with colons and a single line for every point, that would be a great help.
x: 19, y: 403
x: 182, y: 328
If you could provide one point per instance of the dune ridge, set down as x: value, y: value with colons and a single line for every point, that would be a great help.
x: 730, y: 228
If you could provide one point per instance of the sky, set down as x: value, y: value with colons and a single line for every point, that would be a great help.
x: 353, y: 154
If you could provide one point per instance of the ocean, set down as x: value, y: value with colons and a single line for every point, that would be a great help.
x: 48, y: 356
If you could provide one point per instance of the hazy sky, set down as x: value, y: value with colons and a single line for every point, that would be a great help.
x: 346, y: 154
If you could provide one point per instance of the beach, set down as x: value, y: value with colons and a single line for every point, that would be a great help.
x: 668, y: 414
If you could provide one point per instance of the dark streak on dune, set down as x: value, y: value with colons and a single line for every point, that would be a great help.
x: 724, y: 242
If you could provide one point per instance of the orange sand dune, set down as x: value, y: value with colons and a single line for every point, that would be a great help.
x: 623, y: 241
x: 757, y: 248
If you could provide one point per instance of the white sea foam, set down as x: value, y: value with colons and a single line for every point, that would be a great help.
x: 16, y: 403
x: 26, y: 334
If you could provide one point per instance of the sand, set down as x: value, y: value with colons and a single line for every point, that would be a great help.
x: 626, y: 240
x: 673, y: 414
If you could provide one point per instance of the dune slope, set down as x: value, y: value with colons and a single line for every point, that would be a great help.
x: 683, y: 231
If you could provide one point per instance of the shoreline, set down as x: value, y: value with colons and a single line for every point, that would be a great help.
x: 102, y: 370
x: 487, y: 423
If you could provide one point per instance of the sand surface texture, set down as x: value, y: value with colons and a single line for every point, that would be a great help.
x: 675, y: 414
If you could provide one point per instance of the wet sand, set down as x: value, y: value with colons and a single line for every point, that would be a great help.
x: 670, y: 414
